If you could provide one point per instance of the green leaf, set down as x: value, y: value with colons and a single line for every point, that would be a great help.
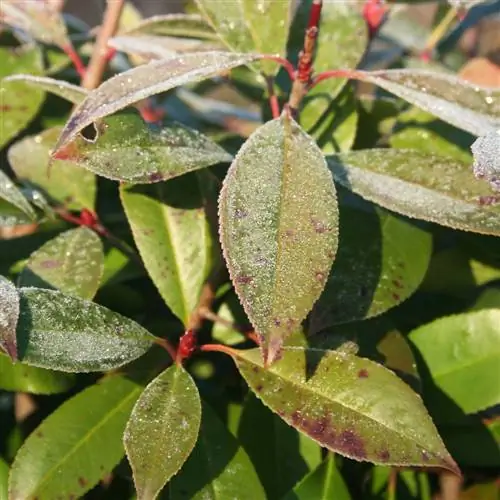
x: 19, y: 106
x: 162, y: 430
x: 61, y: 88
x: 375, y: 269
x: 64, y: 182
x: 4, y: 477
x: 9, y: 315
x: 18, y: 377
x: 218, y: 467
x: 62, y: 332
x: 486, y: 159
x: 73, y: 263
x: 279, y: 239
x: 281, y: 456
x: 323, y: 483
x: 77, y: 445
x: 426, y: 186
x: 127, y: 150
x: 143, y: 81
x: 462, y: 350
x: 14, y: 208
x: 349, y: 405
x: 171, y: 231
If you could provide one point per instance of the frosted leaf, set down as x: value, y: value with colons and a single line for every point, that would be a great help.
x: 162, y: 430
x: 66, y: 333
x: 61, y: 88
x: 464, y: 105
x: 350, y: 405
x: 9, y: 314
x: 72, y: 262
x: 14, y: 208
x: 138, y: 83
x: 128, y: 150
x: 278, y: 226
x: 486, y: 151
x: 418, y: 184
x: 465, y: 4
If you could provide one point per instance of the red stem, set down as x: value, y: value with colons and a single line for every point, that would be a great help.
x: 273, y: 100
x: 315, y: 14
x: 219, y: 348
x: 167, y: 346
x: 336, y: 73
x: 289, y: 67
x: 75, y: 59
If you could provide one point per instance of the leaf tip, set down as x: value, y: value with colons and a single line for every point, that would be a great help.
x: 272, y: 350
x: 10, y: 348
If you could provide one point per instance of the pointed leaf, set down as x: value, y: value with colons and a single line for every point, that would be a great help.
x: 422, y: 185
x: 162, y: 430
x: 127, y: 150
x: 218, y: 467
x: 18, y: 106
x: 462, y: 350
x: 138, y: 83
x: 9, y: 315
x: 350, y: 405
x: 64, y: 183
x: 171, y: 231
x: 66, y: 333
x: 73, y: 263
x: 77, y: 445
x: 17, y: 377
x: 61, y: 88
x: 486, y: 158
x: 14, y: 208
x: 279, y: 239
x: 448, y: 97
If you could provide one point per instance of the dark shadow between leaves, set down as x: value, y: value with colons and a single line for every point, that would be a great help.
x: 24, y: 327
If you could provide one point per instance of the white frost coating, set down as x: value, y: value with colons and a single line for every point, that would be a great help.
x: 10, y: 193
x: 9, y: 313
x: 486, y: 151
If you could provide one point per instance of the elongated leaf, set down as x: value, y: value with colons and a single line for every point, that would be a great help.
x: 66, y: 333
x: 171, y: 231
x: 218, y: 468
x: 175, y: 25
x: 464, y: 105
x: 375, y: 269
x: 127, y: 150
x: 462, y: 350
x: 421, y: 185
x: 23, y: 378
x: 73, y: 263
x: 138, y: 83
x: 61, y: 88
x: 9, y: 315
x: 67, y: 184
x: 323, y: 483
x: 4, y: 477
x: 77, y: 445
x: 14, y: 208
x: 162, y: 430
x: 18, y: 106
x: 279, y: 239
x: 350, y: 405
x: 486, y: 158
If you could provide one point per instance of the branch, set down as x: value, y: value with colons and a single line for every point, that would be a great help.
x: 99, y: 59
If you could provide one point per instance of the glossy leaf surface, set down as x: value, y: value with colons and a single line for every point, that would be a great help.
x: 66, y: 333
x: 77, y: 445
x: 9, y: 315
x: 416, y: 184
x: 171, y: 231
x: 73, y: 263
x: 279, y: 237
x: 350, y: 405
x: 143, y: 81
x: 162, y: 430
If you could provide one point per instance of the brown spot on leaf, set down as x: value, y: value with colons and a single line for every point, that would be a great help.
x: 259, y: 388
x: 320, y: 276
x: 155, y: 177
x: 351, y: 444
x: 319, y: 227
x: 50, y: 264
x: 255, y: 369
x: 289, y: 233
x: 425, y: 456
x: 397, y: 283
x: 82, y: 482
x: 243, y: 279
x: 396, y: 296
x: 384, y: 455
x: 277, y: 322
x: 363, y: 373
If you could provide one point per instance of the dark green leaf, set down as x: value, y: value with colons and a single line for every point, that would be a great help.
x: 73, y: 263
x: 18, y: 377
x: 14, y: 208
x: 127, y: 150
x: 218, y: 468
x: 462, y: 350
x: 171, y: 231
x: 77, y: 445
x: 421, y: 185
x: 162, y: 430
x: 19, y: 106
x: 64, y: 182
x: 350, y: 405
x: 9, y: 315
x: 62, y: 332
x: 143, y: 81
x: 279, y: 239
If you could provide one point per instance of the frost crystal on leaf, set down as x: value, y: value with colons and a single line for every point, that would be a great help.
x: 486, y: 151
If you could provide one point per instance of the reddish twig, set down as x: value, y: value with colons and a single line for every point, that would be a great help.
x: 335, y: 73
x: 287, y: 65
x: 75, y: 59
x: 99, y: 58
x: 167, y: 346
x: 273, y: 99
x: 219, y: 348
